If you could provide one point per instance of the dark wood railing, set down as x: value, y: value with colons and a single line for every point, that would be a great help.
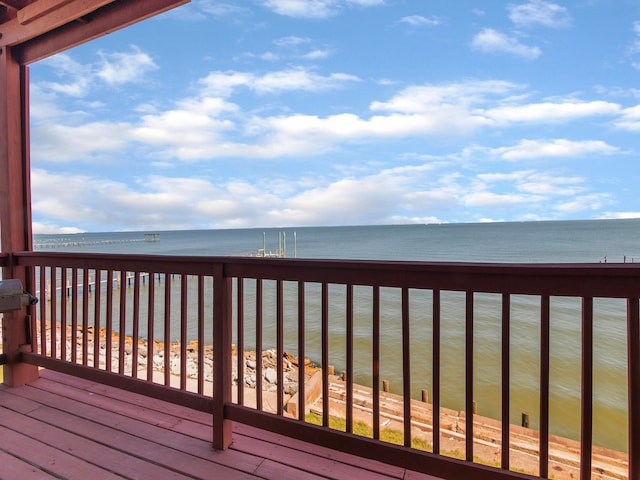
x: 120, y: 305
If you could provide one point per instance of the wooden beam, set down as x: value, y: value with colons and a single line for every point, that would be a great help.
x: 45, y: 17
x: 15, y: 4
x: 39, y: 9
x: 112, y: 17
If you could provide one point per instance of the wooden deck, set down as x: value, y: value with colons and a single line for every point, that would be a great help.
x: 64, y: 427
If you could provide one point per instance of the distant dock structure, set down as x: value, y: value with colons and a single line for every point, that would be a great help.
x: 280, y: 252
x: 84, y: 242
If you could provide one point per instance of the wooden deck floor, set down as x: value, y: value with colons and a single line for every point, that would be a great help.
x: 65, y: 427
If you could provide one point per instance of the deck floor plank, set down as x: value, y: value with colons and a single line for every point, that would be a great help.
x: 51, y: 460
x: 12, y: 468
x: 84, y: 446
x: 163, y: 445
x: 317, y: 450
x: 308, y: 462
x: 65, y: 427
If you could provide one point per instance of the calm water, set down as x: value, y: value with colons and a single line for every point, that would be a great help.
x: 576, y: 241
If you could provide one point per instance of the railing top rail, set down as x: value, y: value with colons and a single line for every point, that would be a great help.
x: 616, y: 280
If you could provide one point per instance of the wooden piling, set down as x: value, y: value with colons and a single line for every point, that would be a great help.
x: 425, y: 396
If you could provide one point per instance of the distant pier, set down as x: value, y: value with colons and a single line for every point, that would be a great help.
x: 82, y: 242
x: 116, y: 281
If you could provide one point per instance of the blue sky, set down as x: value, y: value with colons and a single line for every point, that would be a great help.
x: 276, y: 113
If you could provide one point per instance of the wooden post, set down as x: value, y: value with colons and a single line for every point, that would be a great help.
x: 222, y: 326
x: 385, y: 386
x: 525, y: 420
x: 425, y: 396
x: 15, y: 208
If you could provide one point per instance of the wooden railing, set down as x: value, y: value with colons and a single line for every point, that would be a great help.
x: 99, y: 312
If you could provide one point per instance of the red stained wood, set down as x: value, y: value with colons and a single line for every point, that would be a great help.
x: 79, y: 429
x: 44, y: 16
x: 13, y: 467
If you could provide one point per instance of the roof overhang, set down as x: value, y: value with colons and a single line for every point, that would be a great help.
x: 35, y: 29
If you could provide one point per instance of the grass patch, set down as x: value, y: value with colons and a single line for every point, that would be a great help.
x: 362, y: 429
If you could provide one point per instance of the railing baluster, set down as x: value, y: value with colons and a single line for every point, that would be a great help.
x: 325, y: 354
x: 586, y: 422
x: 85, y: 317
x: 376, y: 362
x: 301, y: 352
x: 184, y: 279
x: 136, y: 324
x: 151, y: 303
x: 240, y: 338
x: 545, y: 328
x: 279, y: 347
x: 109, y: 319
x: 469, y: 376
x: 53, y: 320
x: 259, y: 343
x: 436, y: 372
x: 122, y: 329
x: 74, y: 315
x: 406, y: 367
x: 167, y: 329
x: 43, y: 312
x: 349, y: 367
x: 201, y: 345
x: 96, y: 318
x: 633, y: 377
x: 63, y: 313
x: 506, y: 379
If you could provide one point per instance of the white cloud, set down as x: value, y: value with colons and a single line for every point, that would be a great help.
x: 114, y: 69
x: 48, y: 228
x: 550, y: 111
x: 620, y: 215
x: 124, y: 67
x: 84, y: 142
x: 630, y: 119
x: 582, y: 203
x: 420, y: 21
x: 539, y: 12
x: 76, y: 78
x: 484, y: 199
x: 427, y: 98
x: 635, y: 46
x: 224, y: 83
x: 492, y: 41
x: 315, y: 8
x: 221, y: 9
x: 207, y: 126
x: 295, y: 47
x: 559, y: 148
x: 291, y: 41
